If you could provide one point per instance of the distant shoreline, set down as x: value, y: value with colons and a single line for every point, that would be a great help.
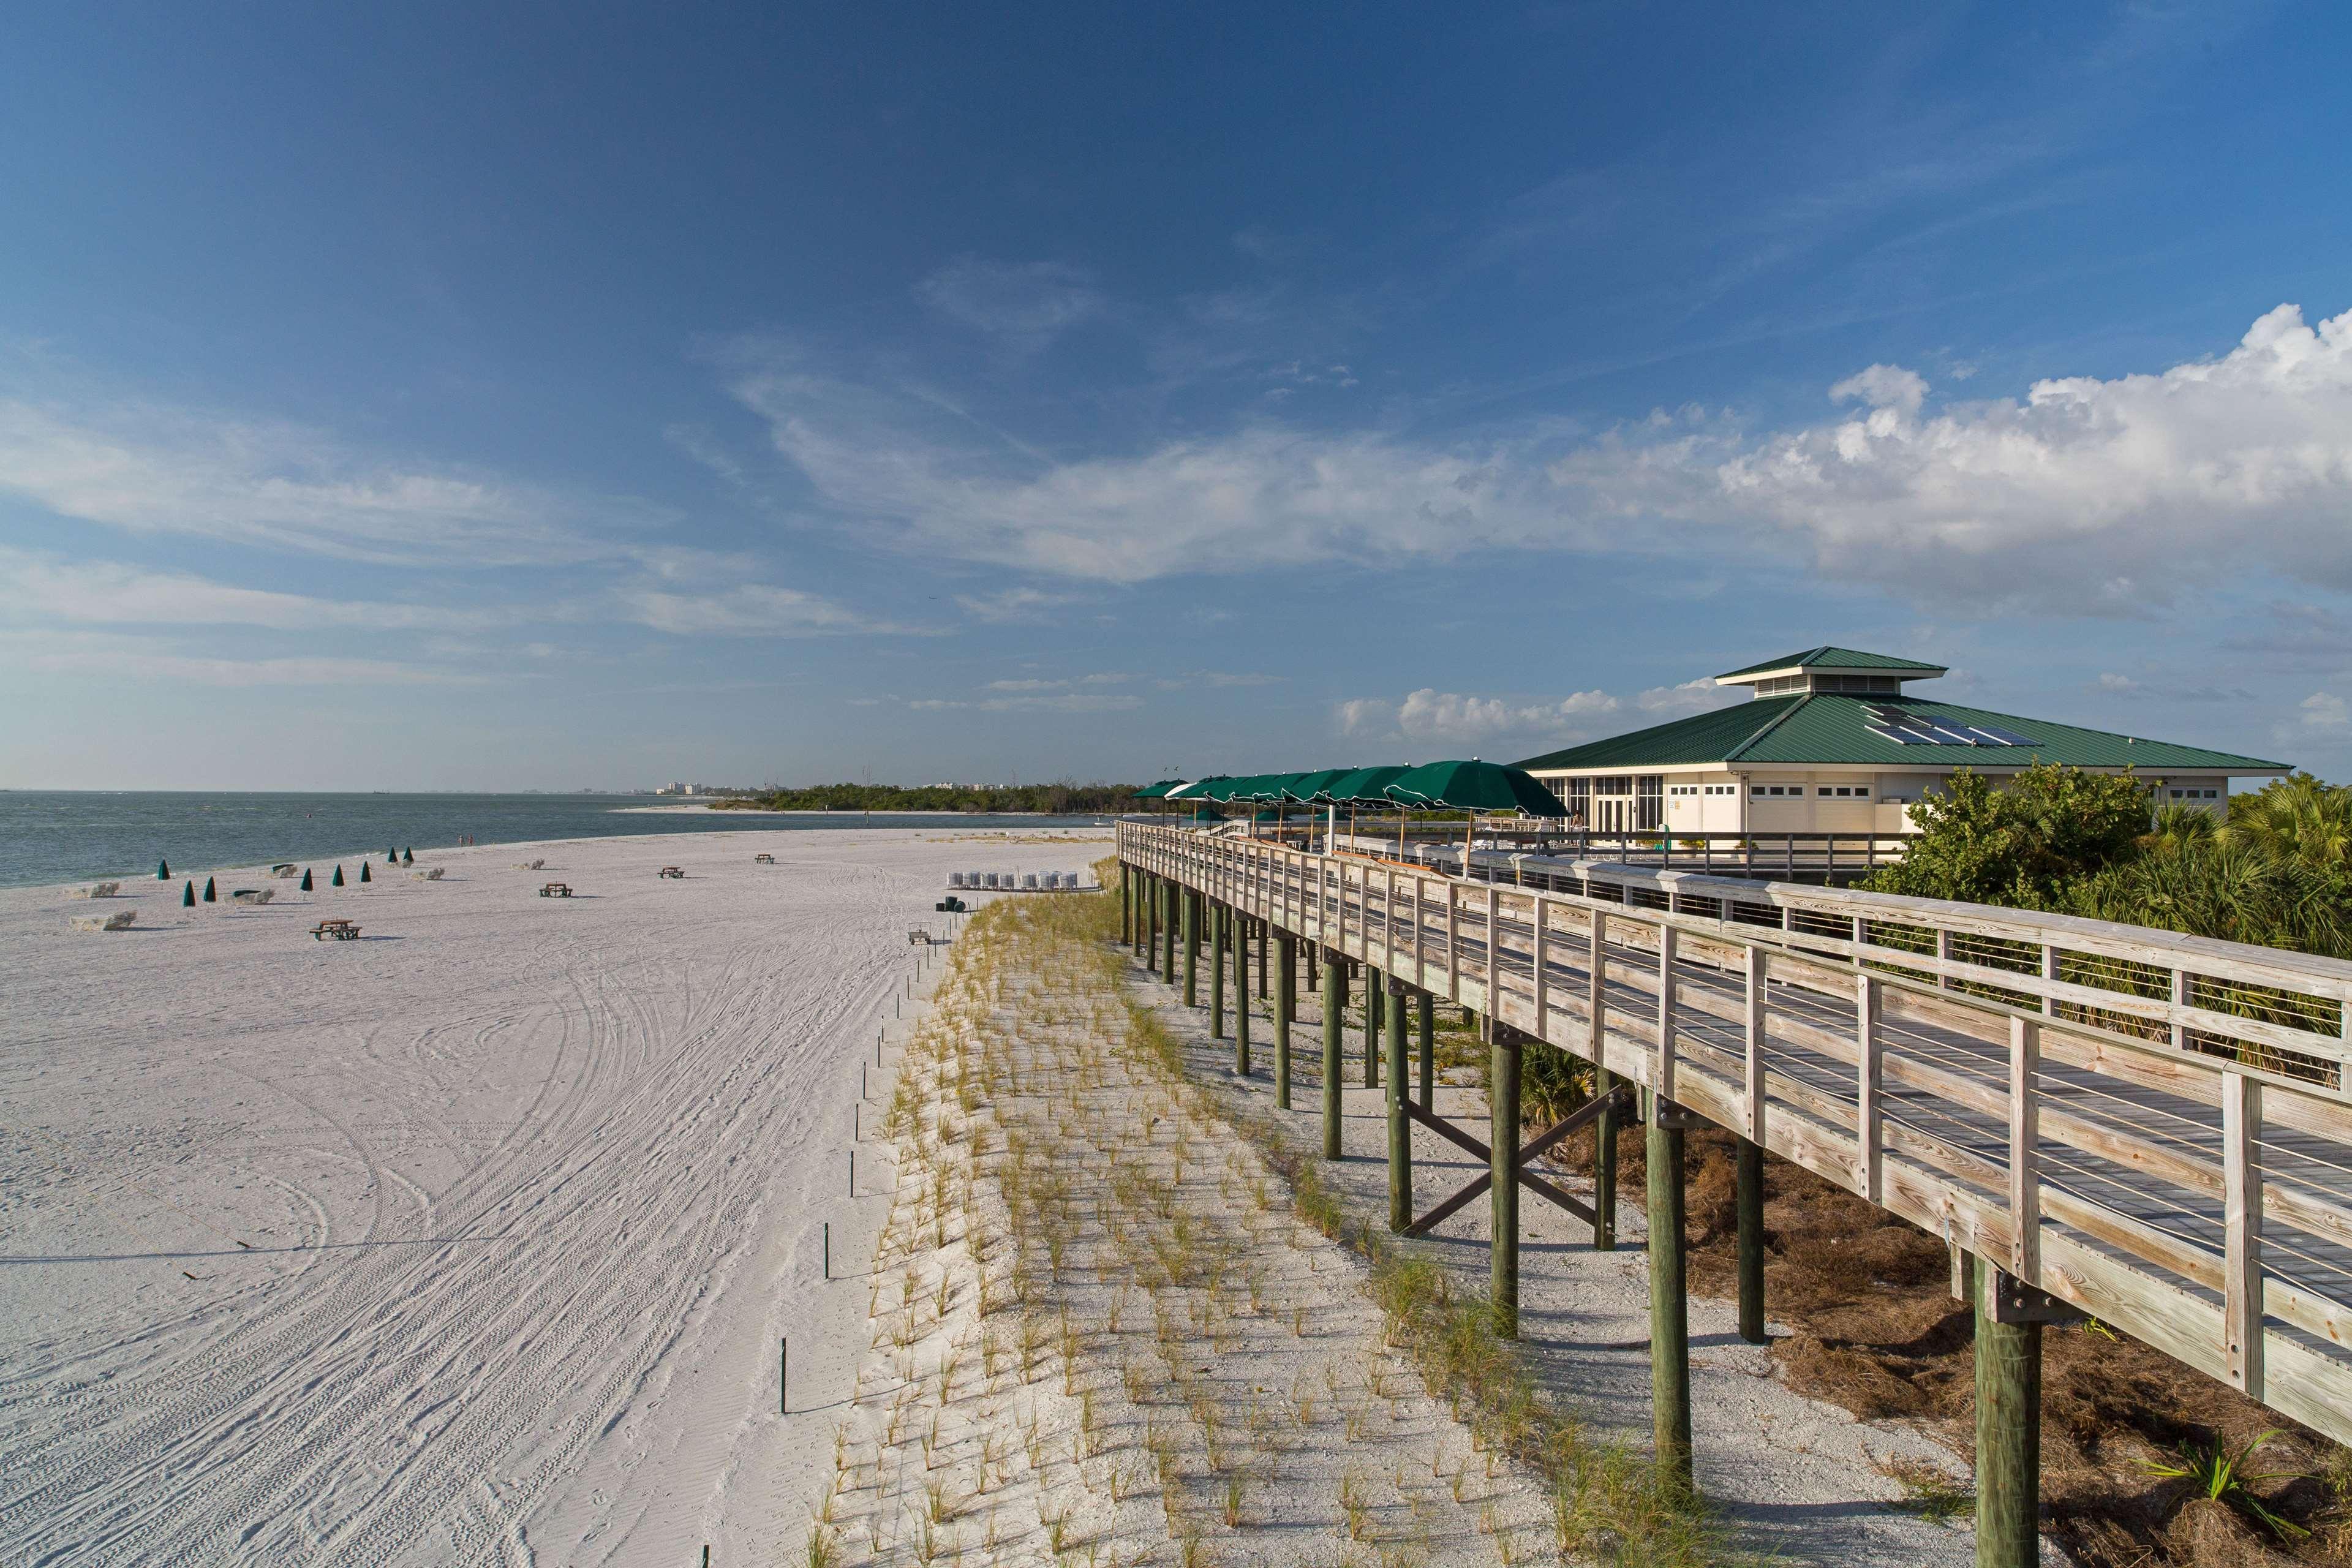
x: 846, y: 811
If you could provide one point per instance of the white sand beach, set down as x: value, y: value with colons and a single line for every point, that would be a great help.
x: 468, y: 1241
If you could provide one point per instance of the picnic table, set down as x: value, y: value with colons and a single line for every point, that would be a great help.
x: 763, y: 859
x: 555, y: 891
x: 671, y: 871
x: 341, y: 930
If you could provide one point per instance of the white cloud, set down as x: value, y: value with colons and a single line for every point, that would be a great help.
x: 1429, y: 715
x: 1014, y: 605
x: 43, y: 587
x: 1025, y: 305
x: 2086, y: 496
x: 46, y: 654
x: 2323, y: 712
x: 748, y: 609
x: 1108, y: 678
x: 279, y: 485
x: 1663, y: 702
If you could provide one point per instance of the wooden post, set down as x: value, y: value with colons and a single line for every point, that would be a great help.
x: 1604, y: 1126
x: 1312, y: 968
x: 1749, y: 1196
x: 1670, y: 1415
x: 1192, y: 947
x: 1148, y: 920
x: 1218, y: 920
x: 1241, y: 1001
x: 2009, y: 1432
x: 1425, y: 1019
x: 1375, y: 1001
x: 2025, y: 1149
x: 1503, y: 1138
x: 1400, y: 1124
x: 1868, y: 1118
x: 1125, y: 904
x: 1285, y: 1003
x: 1335, y: 1015
x: 1265, y: 927
x: 2241, y: 1230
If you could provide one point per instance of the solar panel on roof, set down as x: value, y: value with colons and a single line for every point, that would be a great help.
x: 2005, y: 736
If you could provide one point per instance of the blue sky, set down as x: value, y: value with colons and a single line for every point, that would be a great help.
x: 500, y: 398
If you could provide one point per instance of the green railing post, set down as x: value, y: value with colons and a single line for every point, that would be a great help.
x: 1335, y: 1019
x: 1400, y: 1124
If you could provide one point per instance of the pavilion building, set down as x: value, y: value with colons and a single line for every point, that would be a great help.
x: 1830, y: 742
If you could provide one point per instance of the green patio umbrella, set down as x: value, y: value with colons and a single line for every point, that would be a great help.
x: 1474, y: 786
x: 1363, y: 786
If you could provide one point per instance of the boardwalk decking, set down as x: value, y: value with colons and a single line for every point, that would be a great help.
x: 2149, y: 1127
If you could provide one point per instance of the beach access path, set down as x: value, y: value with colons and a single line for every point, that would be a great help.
x: 469, y: 1241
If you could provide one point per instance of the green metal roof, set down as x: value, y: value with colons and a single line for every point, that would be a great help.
x: 1835, y: 659
x: 1825, y: 728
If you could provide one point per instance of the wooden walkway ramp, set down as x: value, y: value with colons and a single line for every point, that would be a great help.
x: 2151, y: 1129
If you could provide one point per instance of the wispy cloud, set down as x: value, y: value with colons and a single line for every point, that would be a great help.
x: 46, y: 654
x: 36, y: 586
x: 279, y: 485
x: 748, y: 609
x: 1022, y: 305
x: 1431, y: 717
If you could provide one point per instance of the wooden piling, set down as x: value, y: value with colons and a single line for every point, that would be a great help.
x: 1192, y: 947
x: 1373, y: 999
x: 1399, y: 1124
x: 1748, y: 1200
x: 1312, y: 967
x: 1125, y: 902
x: 1241, y: 1001
x: 1335, y: 1018
x: 1264, y: 928
x: 1424, y: 1008
x: 1605, y: 1166
x: 1670, y: 1414
x: 1219, y: 919
x: 1286, y: 1007
x: 2008, y: 1431
x: 1168, y: 938
x: 1502, y: 1140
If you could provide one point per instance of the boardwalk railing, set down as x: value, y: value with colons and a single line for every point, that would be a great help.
x: 2152, y: 1127
x: 1791, y: 856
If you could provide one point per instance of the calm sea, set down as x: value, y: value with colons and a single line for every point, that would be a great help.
x: 70, y: 835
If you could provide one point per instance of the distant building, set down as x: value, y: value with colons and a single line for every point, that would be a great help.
x: 1830, y: 742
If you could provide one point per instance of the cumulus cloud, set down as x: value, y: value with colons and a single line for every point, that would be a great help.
x: 2085, y: 494
x: 2323, y: 712
x: 1430, y: 715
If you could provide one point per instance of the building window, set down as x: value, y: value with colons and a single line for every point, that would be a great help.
x: 1650, y: 802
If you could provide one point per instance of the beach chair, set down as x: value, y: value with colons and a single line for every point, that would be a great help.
x: 96, y: 890
x: 285, y: 869
x: 555, y: 891
x: 119, y: 922
x: 253, y: 895
x: 671, y: 871
x: 340, y: 929
x: 432, y: 874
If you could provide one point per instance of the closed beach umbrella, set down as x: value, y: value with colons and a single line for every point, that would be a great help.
x: 188, y: 896
x: 1474, y: 786
x: 408, y: 857
x: 364, y: 872
x: 338, y: 875
x: 210, y: 897
x: 390, y: 856
x: 306, y: 879
x: 163, y: 871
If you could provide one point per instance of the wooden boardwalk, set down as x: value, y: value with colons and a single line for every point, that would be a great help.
x: 2151, y: 1128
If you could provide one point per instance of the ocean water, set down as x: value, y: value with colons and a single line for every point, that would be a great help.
x: 72, y: 835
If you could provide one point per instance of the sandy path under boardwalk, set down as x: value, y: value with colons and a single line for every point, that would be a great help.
x: 495, y: 1216
x: 1796, y: 1480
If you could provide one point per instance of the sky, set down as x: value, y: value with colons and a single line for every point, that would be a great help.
x: 502, y: 397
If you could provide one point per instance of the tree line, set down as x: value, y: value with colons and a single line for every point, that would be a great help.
x: 1061, y: 799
